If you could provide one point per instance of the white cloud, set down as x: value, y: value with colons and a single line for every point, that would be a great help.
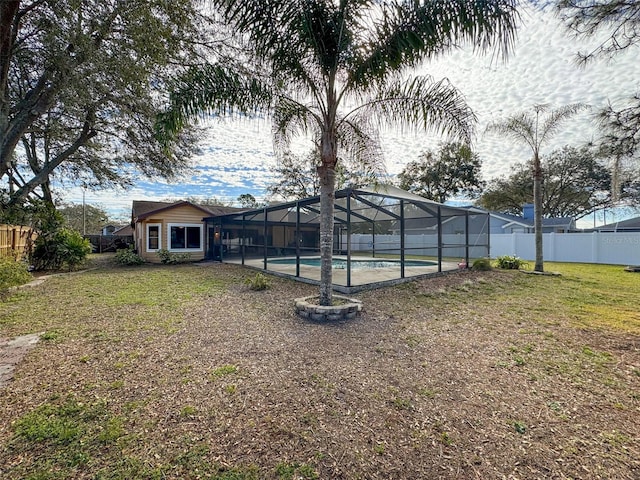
x: 237, y: 155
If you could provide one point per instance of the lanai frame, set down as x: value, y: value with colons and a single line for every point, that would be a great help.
x: 373, y: 213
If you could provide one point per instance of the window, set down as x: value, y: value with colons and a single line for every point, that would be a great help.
x: 154, y: 242
x: 185, y: 237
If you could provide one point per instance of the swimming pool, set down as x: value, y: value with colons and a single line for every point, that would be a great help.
x: 360, y: 264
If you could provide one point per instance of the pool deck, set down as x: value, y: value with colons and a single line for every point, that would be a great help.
x: 359, y: 277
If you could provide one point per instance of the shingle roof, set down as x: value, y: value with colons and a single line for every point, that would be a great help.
x: 513, y: 218
x: 550, y: 222
x: 631, y: 223
x: 546, y: 222
x: 141, y: 209
x: 123, y: 230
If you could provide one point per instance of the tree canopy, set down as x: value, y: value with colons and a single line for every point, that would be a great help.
x: 246, y: 200
x: 80, y: 86
x: 84, y: 218
x: 619, y: 20
x: 453, y: 170
x: 575, y: 183
x: 297, y: 176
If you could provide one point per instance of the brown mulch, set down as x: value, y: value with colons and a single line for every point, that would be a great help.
x: 413, y: 388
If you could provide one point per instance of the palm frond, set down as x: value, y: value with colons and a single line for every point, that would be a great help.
x: 424, y: 104
x: 409, y: 32
x: 520, y: 127
x: 288, y: 37
x: 262, y: 22
x: 551, y: 124
x: 361, y: 143
x: 211, y: 89
x: 291, y: 118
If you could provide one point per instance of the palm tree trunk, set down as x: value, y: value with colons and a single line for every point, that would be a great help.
x: 327, y: 177
x: 537, y: 211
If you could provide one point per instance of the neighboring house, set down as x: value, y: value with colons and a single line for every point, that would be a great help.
x: 174, y: 226
x: 124, y: 230
x: 111, y: 238
x: 630, y: 225
x: 506, y: 223
x: 117, y: 230
x: 108, y: 229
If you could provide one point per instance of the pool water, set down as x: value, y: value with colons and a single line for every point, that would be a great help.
x: 341, y: 264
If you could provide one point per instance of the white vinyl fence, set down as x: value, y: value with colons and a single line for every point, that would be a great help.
x: 605, y: 248
x: 608, y: 248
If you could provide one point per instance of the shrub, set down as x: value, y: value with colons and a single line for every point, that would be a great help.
x: 169, y: 258
x: 257, y: 283
x: 126, y: 256
x: 12, y: 273
x: 59, y: 248
x: 481, y: 264
x: 510, y: 262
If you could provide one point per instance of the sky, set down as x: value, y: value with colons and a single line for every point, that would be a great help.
x: 237, y: 156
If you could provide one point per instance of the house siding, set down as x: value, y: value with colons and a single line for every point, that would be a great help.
x: 184, y: 214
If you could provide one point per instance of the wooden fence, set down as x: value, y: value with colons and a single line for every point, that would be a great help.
x: 15, y: 240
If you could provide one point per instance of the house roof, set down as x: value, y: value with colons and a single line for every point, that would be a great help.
x: 546, y: 222
x: 556, y: 222
x: 142, y: 209
x: 629, y: 224
x: 123, y: 230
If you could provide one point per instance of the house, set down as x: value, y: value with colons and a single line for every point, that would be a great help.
x: 629, y: 225
x: 124, y: 230
x: 174, y: 226
x: 115, y: 230
x: 108, y: 229
x: 507, y: 223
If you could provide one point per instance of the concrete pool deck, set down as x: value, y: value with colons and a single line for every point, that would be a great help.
x: 361, y: 278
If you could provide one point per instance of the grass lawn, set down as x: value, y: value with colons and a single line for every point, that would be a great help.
x: 182, y: 372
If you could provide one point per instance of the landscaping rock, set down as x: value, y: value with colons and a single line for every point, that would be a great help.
x: 306, y: 308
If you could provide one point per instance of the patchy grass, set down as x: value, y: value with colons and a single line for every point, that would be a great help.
x: 600, y: 296
x: 180, y: 372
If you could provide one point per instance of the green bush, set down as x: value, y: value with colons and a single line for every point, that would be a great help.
x: 510, y: 262
x: 126, y: 256
x: 12, y: 273
x: 169, y: 258
x: 60, y: 248
x: 257, y: 283
x: 481, y: 264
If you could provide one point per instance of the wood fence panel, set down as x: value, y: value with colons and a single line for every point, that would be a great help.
x: 15, y: 239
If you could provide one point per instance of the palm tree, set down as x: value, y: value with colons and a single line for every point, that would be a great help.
x: 335, y: 70
x: 526, y: 127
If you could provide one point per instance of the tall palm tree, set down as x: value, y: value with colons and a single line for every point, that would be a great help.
x: 335, y: 70
x: 528, y: 128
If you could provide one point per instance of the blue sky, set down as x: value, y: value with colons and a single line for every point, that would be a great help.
x: 237, y: 156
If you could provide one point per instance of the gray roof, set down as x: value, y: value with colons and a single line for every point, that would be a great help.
x: 629, y: 224
x: 546, y: 222
x: 558, y: 221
